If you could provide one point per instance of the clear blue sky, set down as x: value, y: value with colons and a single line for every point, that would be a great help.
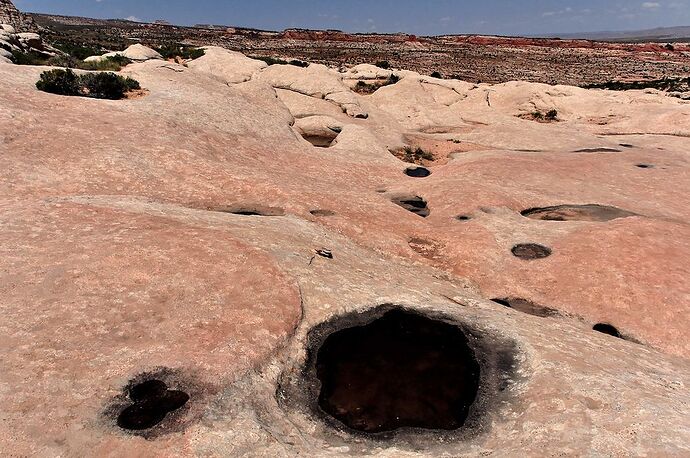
x: 422, y: 17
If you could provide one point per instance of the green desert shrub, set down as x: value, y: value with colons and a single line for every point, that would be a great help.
x: 365, y: 88
x: 80, y: 52
x: 175, y: 50
x: 551, y: 115
x: 28, y: 58
x: 384, y: 64
x: 61, y: 82
x: 278, y: 61
x: 416, y: 155
x: 105, y: 85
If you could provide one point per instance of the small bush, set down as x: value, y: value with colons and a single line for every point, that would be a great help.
x: 299, y: 63
x: 551, y: 115
x: 28, y: 58
x: 279, y: 61
x: 416, y: 155
x: 175, y: 50
x: 365, y: 88
x: 78, y: 51
x: 436, y: 75
x: 110, y: 63
x: 61, y: 82
x: 384, y: 64
x: 97, y: 85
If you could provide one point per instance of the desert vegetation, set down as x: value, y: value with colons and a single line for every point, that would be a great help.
x: 539, y: 116
x: 179, y: 51
x: 278, y: 61
x: 364, y: 88
x: 110, y: 63
x: 105, y: 85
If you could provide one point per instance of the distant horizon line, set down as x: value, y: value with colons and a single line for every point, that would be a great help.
x: 567, y: 35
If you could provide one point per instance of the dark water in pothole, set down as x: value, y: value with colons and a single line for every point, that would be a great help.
x: 529, y: 251
x: 417, y: 172
x: 402, y: 370
x: 152, y: 402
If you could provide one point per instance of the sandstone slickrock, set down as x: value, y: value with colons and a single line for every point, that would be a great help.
x: 11, y: 16
x: 136, y: 52
x: 115, y: 266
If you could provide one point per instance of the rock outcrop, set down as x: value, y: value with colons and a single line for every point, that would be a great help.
x: 136, y: 52
x: 24, y: 42
x: 193, y: 240
x: 10, y: 15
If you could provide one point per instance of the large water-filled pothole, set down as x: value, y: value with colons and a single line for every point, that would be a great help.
x: 590, y: 212
x: 414, y: 204
x: 401, y: 370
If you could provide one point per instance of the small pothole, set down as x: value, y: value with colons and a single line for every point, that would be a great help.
x: 590, y: 212
x: 530, y: 251
x: 320, y: 141
x: 417, y: 172
x: 152, y: 401
x: 463, y: 217
x: 414, y: 204
x: 528, y: 307
x: 322, y: 213
x: 251, y: 210
x: 401, y: 370
x: 608, y: 329
x: 644, y: 166
x: 598, y: 150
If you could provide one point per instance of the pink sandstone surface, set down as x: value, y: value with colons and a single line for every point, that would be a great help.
x: 120, y: 255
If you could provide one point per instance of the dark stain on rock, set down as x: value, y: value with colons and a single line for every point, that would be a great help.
x: 463, y: 217
x: 644, y: 166
x: 530, y: 251
x: 590, y: 212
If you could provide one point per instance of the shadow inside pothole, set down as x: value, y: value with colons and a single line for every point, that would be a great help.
x: 589, y: 212
x: 598, y: 150
x: 528, y: 307
x: 414, y: 204
x: 250, y: 210
x: 320, y: 141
